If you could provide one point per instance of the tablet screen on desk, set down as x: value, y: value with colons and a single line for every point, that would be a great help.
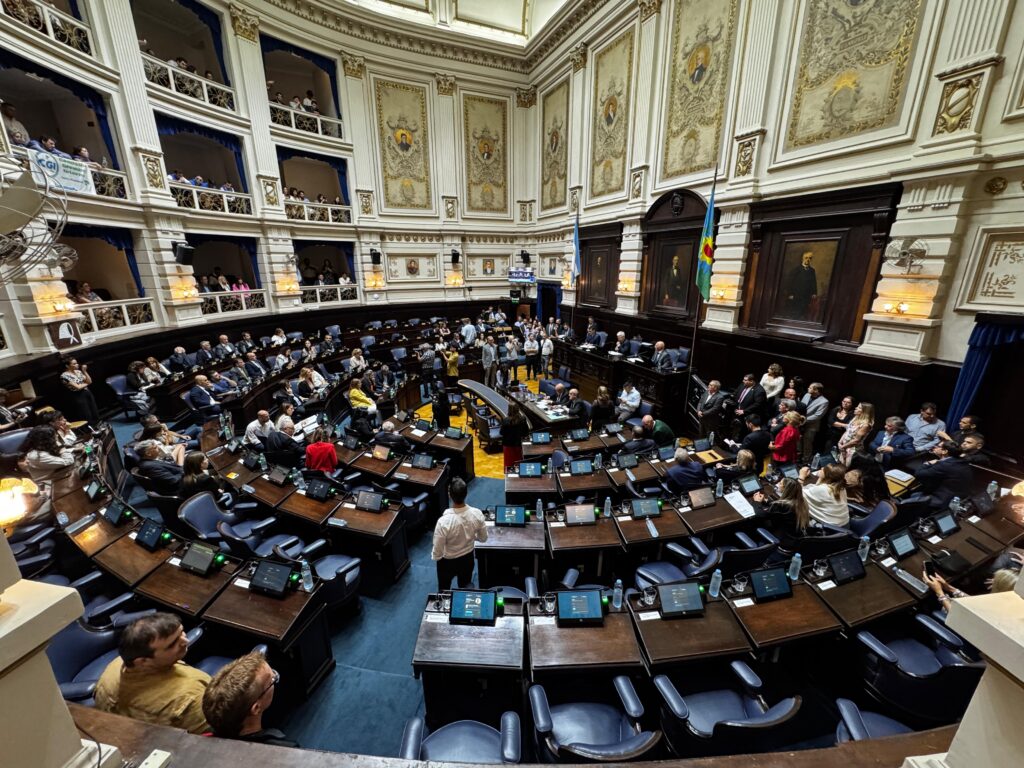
x: 471, y: 606
x: 423, y: 425
x: 645, y: 508
x: 370, y: 501
x: 749, y: 484
x: 149, y: 535
x: 581, y: 467
x: 351, y: 442
x: 117, y: 513
x: 902, y: 543
x: 790, y: 470
x: 271, y: 578
x: 198, y: 558
x: 94, y: 490
x: 423, y: 461
x: 681, y: 600
x: 846, y: 566
x: 946, y: 523
x: 613, y: 428
x: 701, y: 497
x: 381, y: 452
x: 529, y: 469
x: 579, y: 434
x: 278, y: 475
x: 580, y: 514
x: 770, y: 584
x: 626, y: 460
x: 509, y: 515
x: 701, y: 445
x: 540, y: 438
x: 453, y: 433
x: 580, y: 607
x: 666, y: 453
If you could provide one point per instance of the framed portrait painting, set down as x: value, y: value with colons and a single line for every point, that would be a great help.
x: 806, y: 277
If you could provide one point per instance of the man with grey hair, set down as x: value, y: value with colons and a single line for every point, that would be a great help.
x: 710, y: 409
x: 162, y: 475
x: 389, y: 437
x: 685, y: 474
x: 258, y: 430
x: 892, y: 445
x: 817, y: 406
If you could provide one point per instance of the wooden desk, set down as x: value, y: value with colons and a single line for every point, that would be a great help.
x: 864, y: 600
x: 461, y: 449
x: 346, y: 455
x: 98, y: 534
x: 583, y: 546
x: 595, y: 482
x: 668, y: 524
x: 540, y: 451
x: 470, y: 671
x: 242, y: 474
x: 592, y: 444
x: 268, y: 493
x: 76, y: 504
x: 510, y: 553
x: 673, y: 641
x: 263, y: 615
x: 975, y: 555
x: 428, y: 478
x: 643, y: 472
x: 613, y: 442
x: 718, y: 515
x: 529, y: 487
x: 573, y: 649
x: 307, y: 509
x: 379, y: 468
x: 378, y: 539
x: 130, y: 562
x: 1004, y: 528
x: 779, y: 621
x: 221, y: 457
x: 417, y: 436
x: 542, y: 418
x: 182, y: 590
x: 65, y: 485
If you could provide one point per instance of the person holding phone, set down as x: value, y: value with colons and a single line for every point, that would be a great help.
x: 81, y: 404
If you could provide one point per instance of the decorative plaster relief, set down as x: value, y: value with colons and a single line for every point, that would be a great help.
x: 245, y: 24
x: 445, y: 84
x: 355, y: 66
x: 956, y: 107
x: 578, y: 57
x: 555, y: 152
x: 404, y: 141
x: 613, y: 76
x: 526, y: 97
x: 485, y: 132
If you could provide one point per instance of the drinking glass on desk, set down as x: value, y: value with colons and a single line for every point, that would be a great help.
x: 549, y: 602
x: 739, y: 585
x: 650, y: 595
x: 489, y: 513
x: 446, y: 602
x: 560, y: 515
x: 820, y: 568
x: 925, y: 526
x: 880, y: 547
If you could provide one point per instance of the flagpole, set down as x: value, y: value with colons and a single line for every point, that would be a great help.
x: 696, y: 320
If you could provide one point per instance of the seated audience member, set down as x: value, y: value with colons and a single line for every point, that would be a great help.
x: 389, y: 437
x: 359, y: 399
x: 785, y: 445
x: 621, y: 345
x: 283, y: 449
x: 576, y: 408
x: 204, y: 355
x: 238, y: 374
x: 149, y: 680
x: 308, y: 352
x: 65, y: 434
x: 602, y: 410
x: 85, y: 294
x: 656, y: 429
x: 892, y: 445
x: 222, y: 385
x: 757, y: 440
x: 178, y: 361
x: 945, y: 476
x: 278, y: 338
x: 154, y: 429
x: 258, y: 430
x: 638, y: 443
x: 591, y: 336
x: 49, y: 144
x: 826, y: 498
x: 357, y: 363
x: 788, y: 516
x: 245, y: 344
x: 197, y: 477
x: 155, y: 372
x: 924, y: 427
x: 386, y: 378
x: 745, y: 464
x: 10, y: 419
x: 81, y: 154
x: 287, y: 415
x: 224, y: 348
x: 865, y: 481
x: 970, y: 450
x: 326, y: 345
x: 164, y: 474
x: 628, y: 402
x: 47, y: 458
x: 284, y: 394
x: 311, y: 383
x: 968, y: 426
x: 661, y: 360
x: 283, y: 359
x: 320, y: 453
x: 237, y: 697
x: 686, y: 474
x: 255, y: 367
x: 1003, y: 580
x: 560, y: 397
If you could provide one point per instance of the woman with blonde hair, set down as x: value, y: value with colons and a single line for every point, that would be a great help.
x: 788, y: 516
x: 856, y: 432
x: 826, y: 498
x: 745, y: 464
x: 786, y: 443
x: 773, y: 381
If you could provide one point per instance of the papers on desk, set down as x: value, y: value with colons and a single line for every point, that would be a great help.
x: 132, y: 535
x: 542, y: 621
x: 241, y: 583
x: 648, y: 615
x: 739, y: 502
x: 417, y: 432
x: 557, y: 525
x: 489, y: 523
x: 436, y: 618
x: 563, y: 474
x: 623, y: 518
x: 934, y: 539
x: 899, y: 476
x: 709, y: 457
x: 302, y: 491
x: 826, y: 585
x: 348, y: 506
x: 973, y: 519
x: 635, y: 359
x: 231, y: 475
x: 889, y: 562
x: 743, y: 602
x: 175, y: 561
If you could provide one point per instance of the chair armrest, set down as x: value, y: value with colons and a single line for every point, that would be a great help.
x: 747, y: 676
x: 627, y: 694
x: 541, y: 710
x: 193, y: 635
x: 264, y: 524
x: 105, y: 609
x: 830, y: 528
x: 121, y: 620
x: 699, y: 546
x: 511, y: 738
x: 281, y: 555
x: 680, y: 551
x: 671, y: 697
x: 941, y: 633
x: 768, y: 536
x: 351, y: 565
x: 78, y: 691
x: 570, y: 578
x: 39, y: 536
x: 88, y: 580
x: 244, y: 506
x: 261, y: 649
x: 877, y: 647
x: 852, y: 719
x: 745, y: 540
x: 412, y: 739
x: 313, y: 547
x: 531, y: 587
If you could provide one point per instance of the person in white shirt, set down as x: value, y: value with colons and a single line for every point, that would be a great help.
x: 826, y: 498
x: 547, y: 349
x: 455, y: 537
x: 773, y: 381
x: 278, y: 339
x: 357, y: 363
x: 258, y: 428
x: 925, y: 427
x: 629, y: 401
x: 468, y: 332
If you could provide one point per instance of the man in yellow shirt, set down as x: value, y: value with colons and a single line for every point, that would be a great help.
x: 149, y: 681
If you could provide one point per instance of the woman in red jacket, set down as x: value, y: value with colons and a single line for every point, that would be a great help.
x: 784, y: 447
x: 320, y: 453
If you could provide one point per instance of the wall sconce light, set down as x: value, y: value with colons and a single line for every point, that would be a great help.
x: 718, y: 293
x: 13, y: 505
x: 288, y: 284
x: 455, y: 280
x: 625, y: 286
x: 375, y: 280
x: 898, y: 309
x: 61, y: 304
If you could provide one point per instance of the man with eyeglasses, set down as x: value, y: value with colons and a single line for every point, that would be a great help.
x: 149, y: 681
x: 238, y: 696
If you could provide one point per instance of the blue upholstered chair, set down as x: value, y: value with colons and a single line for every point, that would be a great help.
x: 78, y: 655
x: 645, y: 409
x: 856, y: 725
x: 591, y: 731
x: 724, y: 721
x: 689, y: 564
x: 883, y: 513
x: 465, y: 741
x: 119, y: 383
x: 547, y: 386
x: 201, y: 513
x: 339, y: 574
x: 255, y: 544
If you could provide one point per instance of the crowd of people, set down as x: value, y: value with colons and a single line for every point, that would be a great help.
x: 177, y: 177
x: 307, y: 103
x: 19, y: 136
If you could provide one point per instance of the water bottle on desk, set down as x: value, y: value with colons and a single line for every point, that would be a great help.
x: 993, y: 490
x: 540, y: 509
x: 597, y: 461
x: 263, y: 463
x: 607, y: 506
x: 719, y: 489
x: 307, y: 575
x: 716, y: 583
x: 955, y: 507
x: 863, y: 548
x: 617, y: 595
x: 551, y: 465
x: 794, y: 567
x: 711, y: 439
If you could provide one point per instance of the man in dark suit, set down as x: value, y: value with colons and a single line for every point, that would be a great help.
x: 283, y: 449
x: 621, y: 345
x: 254, y: 367
x: 389, y: 437
x: 577, y: 409
x: 892, y: 445
x: 971, y: 450
x: 284, y: 394
x: 638, y: 443
x: 205, y: 354
x: 203, y: 398
x: 686, y: 474
x: 661, y: 360
x: 238, y: 374
x: 246, y: 344
x: 386, y: 378
x: 224, y: 348
x: 178, y: 361
x: 561, y: 397
x: 945, y: 476
x: 164, y: 476
x: 711, y: 409
x: 750, y: 401
x: 757, y: 439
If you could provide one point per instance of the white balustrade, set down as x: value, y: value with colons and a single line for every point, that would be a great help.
x: 302, y: 210
x: 223, y: 302
x: 329, y: 294
x: 307, y: 122
x: 208, y: 199
x: 188, y: 83
x: 103, y: 318
x: 47, y: 20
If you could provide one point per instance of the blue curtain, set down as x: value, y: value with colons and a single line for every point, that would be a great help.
x: 211, y: 19
x: 329, y: 66
x: 171, y: 126
x: 73, y: 5
x: 122, y: 239
x: 558, y: 301
x: 91, y: 98
x: 339, y: 165
x: 984, y: 338
x: 196, y: 239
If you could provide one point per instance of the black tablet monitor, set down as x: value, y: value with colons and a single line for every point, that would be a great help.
x: 509, y: 515
x: 370, y: 501
x: 749, y: 484
x: 473, y: 606
x: 235, y: 445
x: 150, y: 535
x: 613, y: 428
x: 580, y: 608
x: 251, y: 460
x: 278, y: 475
x: 770, y: 584
x: 318, y: 490
x: 846, y: 566
x: 381, y: 452
x: 642, y: 508
x: 423, y: 425
x: 667, y: 452
x: 200, y: 558
x: 530, y: 469
x: 682, y: 600
x: 117, y: 512
x: 822, y: 460
x: 540, y: 438
x: 581, y: 467
x: 703, y: 444
x: 790, y: 470
x: 902, y: 543
x: 626, y: 460
x: 272, y: 578
x: 423, y: 461
x: 580, y: 514
x: 580, y: 434
x: 351, y: 442
x: 453, y: 433
x: 946, y: 522
x: 701, y: 498
x: 94, y: 490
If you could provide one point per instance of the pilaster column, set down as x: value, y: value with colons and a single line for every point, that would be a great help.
x: 650, y: 14
x: 524, y: 162
x: 275, y: 252
x: 359, y: 130
x: 172, y: 284
x: 33, y: 301
x: 371, y: 276
x: 447, y: 136
x: 627, y: 291
x: 577, y: 127
x: 731, y: 247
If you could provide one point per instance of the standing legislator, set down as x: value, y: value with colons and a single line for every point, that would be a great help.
x: 455, y: 537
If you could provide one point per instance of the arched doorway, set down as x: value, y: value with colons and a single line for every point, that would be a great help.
x: 671, y: 232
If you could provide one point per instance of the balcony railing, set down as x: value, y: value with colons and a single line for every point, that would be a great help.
x: 187, y: 84
x: 102, y: 316
x: 203, y: 199
x: 329, y: 294
x: 305, y: 211
x: 56, y: 25
x: 307, y: 122
x: 108, y: 182
x: 235, y: 301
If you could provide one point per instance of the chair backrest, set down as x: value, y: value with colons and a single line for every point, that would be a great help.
x: 346, y: 364
x: 265, y: 340
x: 294, y: 336
x: 118, y: 383
x: 414, y: 321
x: 814, y: 547
x: 186, y: 397
x: 563, y: 372
x: 390, y: 323
x: 735, y: 561
x: 238, y: 544
x: 367, y: 341
x: 883, y: 512
x: 11, y: 441
x: 201, y: 513
x: 602, y: 338
x: 399, y: 353
x: 192, y: 358
x: 559, y: 458
x: 294, y: 385
x: 645, y: 409
x: 334, y: 330
x: 375, y: 324
x: 297, y: 355
x: 683, y: 356
x: 75, y: 647
x: 634, y: 347
x: 587, y: 406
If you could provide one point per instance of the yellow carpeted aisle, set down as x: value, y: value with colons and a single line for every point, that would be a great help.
x: 487, y: 464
